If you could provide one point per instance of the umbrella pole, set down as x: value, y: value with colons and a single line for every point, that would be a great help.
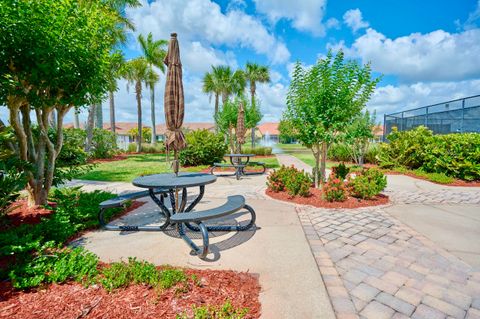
x: 175, y: 169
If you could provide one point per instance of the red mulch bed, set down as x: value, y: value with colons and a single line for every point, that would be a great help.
x: 22, y: 214
x: 72, y: 300
x: 118, y: 157
x: 457, y: 182
x: 316, y: 199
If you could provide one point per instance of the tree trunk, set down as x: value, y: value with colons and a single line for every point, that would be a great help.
x: 152, y: 106
x: 89, y: 128
x: 138, y: 91
x: 112, y: 111
x: 52, y: 119
x: 230, y: 138
x: 216, y: 111
x: 252, y: 93
x: 316, y: 155
x: 99, y: 116
x: 76, y: 119
x: 324, y: 162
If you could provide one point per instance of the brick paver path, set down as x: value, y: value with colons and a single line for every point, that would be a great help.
x: 376, y: 267
x: 450, y: 195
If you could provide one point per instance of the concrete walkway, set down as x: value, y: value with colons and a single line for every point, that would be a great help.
x: 289, y: 160
x: 417, y: 258
x: 277, y: 251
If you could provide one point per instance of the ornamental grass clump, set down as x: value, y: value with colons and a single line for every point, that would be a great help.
x: 291, y: 180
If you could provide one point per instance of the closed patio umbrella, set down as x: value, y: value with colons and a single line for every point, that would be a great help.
x: 174, y: 101
x: 240, y: 130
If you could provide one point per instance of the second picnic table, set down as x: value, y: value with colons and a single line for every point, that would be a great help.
x: 236, y: 161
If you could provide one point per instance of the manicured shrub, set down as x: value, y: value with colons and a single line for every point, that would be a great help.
x: 341, y: 171
x: 203, y: 148
x: 339, y: 152
x: 158, y: 148
x: 225, y: 311
x: 455, y: 155
x: 104, y: 144
x: 290, y: 179
x: 334, y: 189
x: 52, y: 265
x: 367, y: 184
x: 73, y: 149
x: 259, y: 150
x: 372, y: 154
x: 406, y: 148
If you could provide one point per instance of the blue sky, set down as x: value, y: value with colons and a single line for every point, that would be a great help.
x: 428, y: 51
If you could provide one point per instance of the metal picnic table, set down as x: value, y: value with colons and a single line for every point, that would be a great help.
x: 236, y: 161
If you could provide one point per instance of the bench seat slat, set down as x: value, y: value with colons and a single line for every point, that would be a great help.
x: 233, y: 204
x: 228, y: 165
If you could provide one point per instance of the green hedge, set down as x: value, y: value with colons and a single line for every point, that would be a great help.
x: 203, y: 148
x: 259, y: 150
x: 455, y: 155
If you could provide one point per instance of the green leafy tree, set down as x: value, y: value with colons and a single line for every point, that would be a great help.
x: 255, y: 73
x: 325, y: 98
x: 154, y: 52
x: 54, y: 56
x: 358, y: 134
x: 226, y: 119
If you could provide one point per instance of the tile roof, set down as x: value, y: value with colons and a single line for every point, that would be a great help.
x: 271, y: 128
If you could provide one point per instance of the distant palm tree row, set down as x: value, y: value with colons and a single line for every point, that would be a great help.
x: 223, y: 82
x: 138, y: 72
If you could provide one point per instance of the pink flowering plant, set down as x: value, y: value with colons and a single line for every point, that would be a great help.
x: 334, y: 189
x: 291, y: 180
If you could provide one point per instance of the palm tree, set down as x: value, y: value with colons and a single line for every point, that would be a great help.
x: 230, y: 82
x: 255, y: 73
x: 154, y: 52
x: 116, y: 63
x: 135, y: 72
x: 212, y: 85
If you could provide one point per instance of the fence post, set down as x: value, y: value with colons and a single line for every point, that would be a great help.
x: 384, y: 126
x: 463, y: 116
x: 426, y: 117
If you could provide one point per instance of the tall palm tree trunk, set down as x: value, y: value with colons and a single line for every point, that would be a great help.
x: 99, y: 116
x: 152, y: 106
x: 76, y: 119
x: 112, y: 111
x: 252, y: 92
x: 138, y: 91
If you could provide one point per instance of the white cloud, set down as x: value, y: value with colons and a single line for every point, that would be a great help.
x: 353, y: 18
x: 305, y: 15
x: 332, y: 23
x: 434, y: 56
x: 273, y: 99
x: 389, y: 98
x: 202, y: 21
x: 472, y: 19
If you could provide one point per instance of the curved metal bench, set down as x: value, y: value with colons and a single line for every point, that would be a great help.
x: 238, y: 169
x: 233, y: 204
x: 121, y: 201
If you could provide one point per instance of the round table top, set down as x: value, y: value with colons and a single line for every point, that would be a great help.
x: 169, y: 180
x: 240, y: 155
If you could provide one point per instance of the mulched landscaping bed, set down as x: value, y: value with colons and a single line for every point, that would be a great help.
x: 316, y: 199
x: 72, y: 300
x: 118, y: 157
x: 20, y: 213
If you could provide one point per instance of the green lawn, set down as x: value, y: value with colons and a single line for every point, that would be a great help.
x: 288, y: 148
x: 310, y: 160
x: 146, y: 164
